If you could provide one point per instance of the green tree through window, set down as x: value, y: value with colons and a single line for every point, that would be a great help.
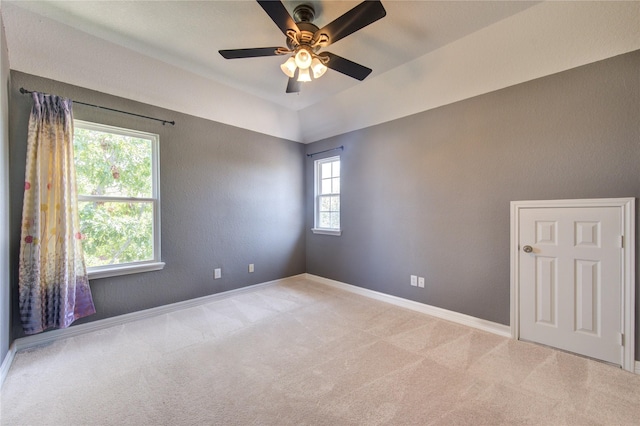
x: 116, y: 172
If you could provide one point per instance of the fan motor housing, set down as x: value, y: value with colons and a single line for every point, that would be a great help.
x: 305, y: 36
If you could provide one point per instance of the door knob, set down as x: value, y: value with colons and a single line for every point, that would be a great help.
x: 527, y: 249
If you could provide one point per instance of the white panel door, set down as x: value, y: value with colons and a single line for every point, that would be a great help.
x: 571, y: 279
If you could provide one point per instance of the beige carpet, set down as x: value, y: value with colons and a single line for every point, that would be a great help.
x: 301, y: 353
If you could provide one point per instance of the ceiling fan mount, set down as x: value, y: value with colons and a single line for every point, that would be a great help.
x: 305, y: 40
x: 304, y: 13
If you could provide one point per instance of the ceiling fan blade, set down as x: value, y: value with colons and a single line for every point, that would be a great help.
x: 278, y: 13
x: 293, y: 85
x: 357, y: 18
x: 346, y: 67
x: 249, y: 53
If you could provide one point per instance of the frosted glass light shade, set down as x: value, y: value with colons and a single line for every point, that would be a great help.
x: 303, y: 74
x: 289, y: 67
x: 318, y: 68
x: 303, y: 58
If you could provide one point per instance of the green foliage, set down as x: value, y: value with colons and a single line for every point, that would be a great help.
x: 111, y: 165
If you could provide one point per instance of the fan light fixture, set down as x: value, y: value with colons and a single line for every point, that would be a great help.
x: 304, y: 60
x: 304, y: 40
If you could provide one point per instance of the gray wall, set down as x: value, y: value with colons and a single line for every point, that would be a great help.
x: 229, y: 197
x: 429, y: 194
x: 4, y: 195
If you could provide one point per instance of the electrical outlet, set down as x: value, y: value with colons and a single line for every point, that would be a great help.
x: 217, y: 273
x: 251, y: 268
x: 414, y: 280
x: 421, y: 282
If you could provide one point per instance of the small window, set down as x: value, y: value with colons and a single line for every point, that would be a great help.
x: 117, y: 173
x: 327, y: 196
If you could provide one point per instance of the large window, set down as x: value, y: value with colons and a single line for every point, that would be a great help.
x: 119, y: 199
x: 327, y: 196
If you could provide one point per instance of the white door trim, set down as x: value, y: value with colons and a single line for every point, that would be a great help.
x: 628, y: 263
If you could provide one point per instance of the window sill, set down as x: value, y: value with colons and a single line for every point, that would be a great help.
x: 321, y: 231
x: 114, y: 271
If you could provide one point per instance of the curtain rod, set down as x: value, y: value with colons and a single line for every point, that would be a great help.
x: 341, y: 148
x: 173, y: 123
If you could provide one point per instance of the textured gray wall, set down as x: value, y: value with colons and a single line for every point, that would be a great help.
x: 4, y: 195
x: 429, y: 194
x: 229, y: 197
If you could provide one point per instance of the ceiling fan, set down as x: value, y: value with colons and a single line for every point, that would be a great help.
x: 305, y: 40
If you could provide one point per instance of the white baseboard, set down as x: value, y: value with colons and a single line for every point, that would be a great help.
x: 54, y: 335
x: 6, y: 363
x: 637, y: 369
x: 491, y: 327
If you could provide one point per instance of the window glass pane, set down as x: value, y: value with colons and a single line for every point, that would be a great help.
x: 335, y: 220
x: 335, y: 204
x: 116, y: 232
x: 112, y: 164
x: 325, y: 186
x: 327, y: 215
x: 325, y: 204
x: 325, y: 171
x: 335, y: 185
x: 325, y: 220
x: 336, y: 168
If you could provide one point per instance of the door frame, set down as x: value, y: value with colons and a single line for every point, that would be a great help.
x: 627, y: 209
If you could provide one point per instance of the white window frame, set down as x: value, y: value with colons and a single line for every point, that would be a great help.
x: 317, y: 179
x: 154, y: 264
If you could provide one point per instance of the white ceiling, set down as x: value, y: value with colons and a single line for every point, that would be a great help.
x: 423, y: 54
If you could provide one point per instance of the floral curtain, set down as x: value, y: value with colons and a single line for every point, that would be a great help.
x: 53, y: 284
